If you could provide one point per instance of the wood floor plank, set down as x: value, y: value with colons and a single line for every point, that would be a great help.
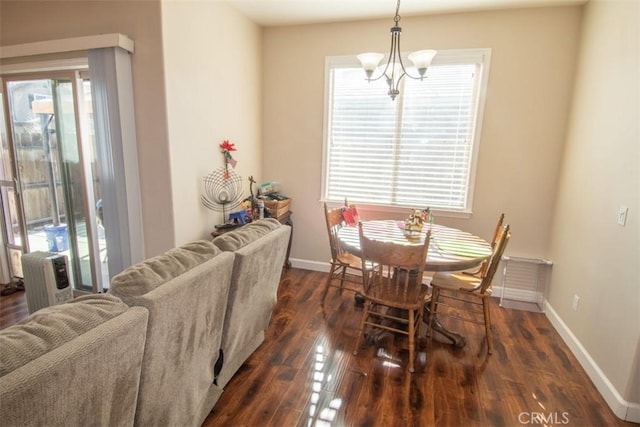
x: 13, y: 308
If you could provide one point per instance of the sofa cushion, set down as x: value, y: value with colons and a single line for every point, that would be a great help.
x: 241, y: 237
x: 144, y: 277
x: 51, y: 327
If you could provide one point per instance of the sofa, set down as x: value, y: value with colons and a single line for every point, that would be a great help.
x: 205, y: 306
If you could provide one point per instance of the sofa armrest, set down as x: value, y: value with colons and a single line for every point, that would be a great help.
x: 92, y: 379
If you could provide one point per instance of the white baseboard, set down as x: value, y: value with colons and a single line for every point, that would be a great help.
x: 310, y: 265
x: 633, y: 412
x: 621, y: 408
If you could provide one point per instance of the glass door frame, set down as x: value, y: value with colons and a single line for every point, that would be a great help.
x: 11, y: 184
x: 88, y: 209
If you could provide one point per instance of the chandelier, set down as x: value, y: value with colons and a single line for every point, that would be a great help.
x: 394, y: 71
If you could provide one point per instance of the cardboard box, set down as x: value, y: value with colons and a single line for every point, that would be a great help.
x: 277, y: 208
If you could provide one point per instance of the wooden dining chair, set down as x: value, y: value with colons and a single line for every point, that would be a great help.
x: 466, y: 292
x: 345, y: 266
x: 392, y: 288
x: 481, y: 271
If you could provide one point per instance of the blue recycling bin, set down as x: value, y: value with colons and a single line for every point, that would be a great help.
x: 57, y: 237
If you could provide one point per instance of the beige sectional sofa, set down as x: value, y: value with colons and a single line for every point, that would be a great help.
x: 200, y: 311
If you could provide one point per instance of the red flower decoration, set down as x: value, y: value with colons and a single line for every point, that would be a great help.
x: 226, y: 146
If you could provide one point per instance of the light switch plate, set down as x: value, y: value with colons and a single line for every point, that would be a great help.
x: 622, y: 216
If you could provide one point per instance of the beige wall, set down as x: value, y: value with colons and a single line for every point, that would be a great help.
x: 213, y: 80
x: 31, y: 21
x: 530, y: 82
x: 595, y: 258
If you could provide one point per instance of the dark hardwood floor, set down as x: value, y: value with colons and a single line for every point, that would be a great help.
x: 305, y: 373
x: 13, y: 308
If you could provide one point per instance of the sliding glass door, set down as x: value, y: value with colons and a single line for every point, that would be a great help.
x: 11, y: 226
x: 52, y: 149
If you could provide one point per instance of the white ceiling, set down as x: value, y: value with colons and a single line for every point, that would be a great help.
x: 292, y: 12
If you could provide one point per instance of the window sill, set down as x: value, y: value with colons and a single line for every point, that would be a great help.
x: 398, y: 211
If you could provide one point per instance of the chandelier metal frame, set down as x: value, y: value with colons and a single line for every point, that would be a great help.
x: 395, y: 70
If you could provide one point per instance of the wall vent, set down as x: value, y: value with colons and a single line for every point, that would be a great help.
x: 524, y: 281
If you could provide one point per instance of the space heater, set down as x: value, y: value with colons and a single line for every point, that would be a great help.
x: 46, y: 279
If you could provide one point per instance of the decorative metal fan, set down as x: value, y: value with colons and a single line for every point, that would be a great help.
x: 222, y: 191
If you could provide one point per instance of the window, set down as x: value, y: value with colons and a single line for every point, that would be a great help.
x: 416, y: 151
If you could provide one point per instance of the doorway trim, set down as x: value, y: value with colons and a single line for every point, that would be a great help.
x: 68, y: 45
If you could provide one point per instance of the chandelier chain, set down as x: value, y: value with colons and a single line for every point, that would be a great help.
x: 396, y: 18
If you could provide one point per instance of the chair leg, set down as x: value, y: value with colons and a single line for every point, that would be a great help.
x: 412, y: 341
x: 342, y: 277
x: 487, y: 324
x: 418, y: 323
x: 435, y: 293
x: 330, y: 278
x: 365, y: 313
x: 337, y: 271
x: 332, y: 271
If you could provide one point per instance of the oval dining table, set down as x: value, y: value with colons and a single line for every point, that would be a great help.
x: 450, y: 249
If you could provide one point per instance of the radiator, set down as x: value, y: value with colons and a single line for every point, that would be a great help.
x: 46, y: 279
x: 524, y: 281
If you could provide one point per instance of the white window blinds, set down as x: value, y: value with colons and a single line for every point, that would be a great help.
x: 416, y: 151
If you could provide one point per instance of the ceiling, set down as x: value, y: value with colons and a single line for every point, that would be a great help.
x: 293, y: 12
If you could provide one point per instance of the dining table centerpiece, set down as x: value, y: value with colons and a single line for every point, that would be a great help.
x: 414, y: 223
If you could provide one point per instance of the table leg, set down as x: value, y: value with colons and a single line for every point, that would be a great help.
x: 286, y: 220
x: 455, y: 339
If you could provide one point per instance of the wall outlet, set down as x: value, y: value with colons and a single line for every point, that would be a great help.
x: 622, y: 215
x: 576, y: 301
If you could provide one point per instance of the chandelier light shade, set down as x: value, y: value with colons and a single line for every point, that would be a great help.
x: 394, y: 71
